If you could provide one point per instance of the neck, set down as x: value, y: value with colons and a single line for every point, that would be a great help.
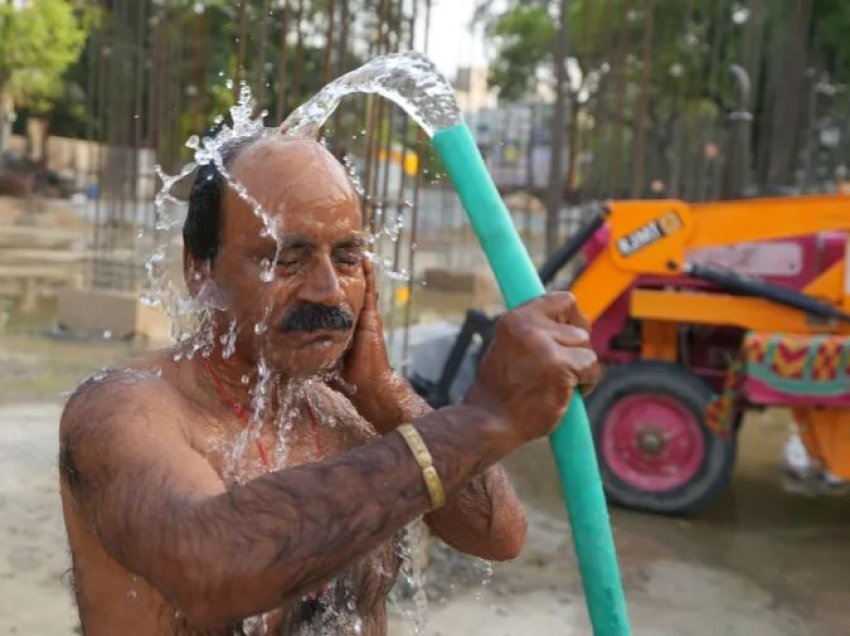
x: 226, y: 377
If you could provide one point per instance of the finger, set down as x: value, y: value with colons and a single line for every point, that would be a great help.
x: 595, y: 374
x: 581, y: 363
x: 557, y: 306
x: 571, y: 312
x: 570, y: 335
x: 575, y: 316
x: 370, y: 299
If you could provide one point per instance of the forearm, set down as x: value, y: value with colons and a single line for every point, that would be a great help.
x: 485, y: 517
x: 283, y: 534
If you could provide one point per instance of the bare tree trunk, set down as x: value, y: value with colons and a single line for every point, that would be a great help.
x: 786, y: 121
x: 678, y: 155
x: 329, y: 44
x: 240, y: 46
x: 575, y: 108
x: 639, y: 148
x: 572, y: 158
x: 555, y: 189
x: 751, y: 46
x: 262, y: 50
x: 342, y: 49
x: 615, y: 179
x: 6, y: 106
x: 299, y: 52
x: 529, y: 148
x: 280, y: 109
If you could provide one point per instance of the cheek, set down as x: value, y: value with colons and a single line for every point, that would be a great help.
x: 355, y: 289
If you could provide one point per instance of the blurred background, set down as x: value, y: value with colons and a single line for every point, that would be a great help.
x: 572, y: 103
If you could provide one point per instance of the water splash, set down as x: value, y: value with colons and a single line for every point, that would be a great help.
x: 411, y: 587
x: 353, y: 175
x: 413, y: 83
x: 385, y: 264
x: 408, y: 79
x: 228, y: 340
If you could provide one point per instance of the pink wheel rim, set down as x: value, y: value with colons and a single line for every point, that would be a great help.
x: 652, y: 442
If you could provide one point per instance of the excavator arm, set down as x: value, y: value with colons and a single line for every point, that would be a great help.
x: 653, y: 238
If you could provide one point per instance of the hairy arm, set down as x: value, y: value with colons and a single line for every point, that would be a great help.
x: 219, y: 555
x: 485, y: 518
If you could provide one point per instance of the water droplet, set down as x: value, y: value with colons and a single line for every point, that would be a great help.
x: 228, y: 340
x: 245, y: 379
x: 107, y: 334
x: 229, y: 83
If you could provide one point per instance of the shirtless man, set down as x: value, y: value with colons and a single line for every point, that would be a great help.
x: 172, y: 532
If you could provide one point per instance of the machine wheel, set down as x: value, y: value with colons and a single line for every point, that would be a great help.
x: 655, y: 452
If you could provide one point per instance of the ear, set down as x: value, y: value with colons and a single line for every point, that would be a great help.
x: 195, y: 272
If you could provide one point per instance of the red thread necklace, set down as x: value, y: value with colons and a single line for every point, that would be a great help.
x: 240, y: 412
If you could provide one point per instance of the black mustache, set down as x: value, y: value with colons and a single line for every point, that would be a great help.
x: 318, y: 317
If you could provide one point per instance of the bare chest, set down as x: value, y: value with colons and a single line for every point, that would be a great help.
x: 353, y: 602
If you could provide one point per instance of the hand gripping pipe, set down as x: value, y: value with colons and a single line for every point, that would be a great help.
x: 571, y: 442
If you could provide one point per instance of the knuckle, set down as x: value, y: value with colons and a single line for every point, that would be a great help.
x: 579, y: 335
x: 565, y: 299
x: 584, y: 359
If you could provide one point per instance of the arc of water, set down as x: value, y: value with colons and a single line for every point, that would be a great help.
x: 413, y: 82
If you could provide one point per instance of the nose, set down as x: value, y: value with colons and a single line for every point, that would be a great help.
x: 321, y: 284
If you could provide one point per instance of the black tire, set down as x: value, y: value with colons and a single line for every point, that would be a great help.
x: 677, y: 382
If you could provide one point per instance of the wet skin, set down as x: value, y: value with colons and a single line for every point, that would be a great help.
x: 168, y: 538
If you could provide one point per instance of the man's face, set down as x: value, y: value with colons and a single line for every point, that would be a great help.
x: 314, y: 299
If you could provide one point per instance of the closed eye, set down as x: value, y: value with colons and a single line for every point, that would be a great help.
x: 348, y: 256
x: 290, y: 257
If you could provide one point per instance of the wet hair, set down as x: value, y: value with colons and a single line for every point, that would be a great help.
x: 202, y: 227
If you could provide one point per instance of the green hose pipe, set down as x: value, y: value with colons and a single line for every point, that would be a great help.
x: 571, y: 443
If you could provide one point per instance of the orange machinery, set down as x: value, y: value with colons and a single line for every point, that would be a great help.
x: 674, y: 290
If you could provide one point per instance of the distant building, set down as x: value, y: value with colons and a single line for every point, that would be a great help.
x: 472, y: 90
x: 505, y: 131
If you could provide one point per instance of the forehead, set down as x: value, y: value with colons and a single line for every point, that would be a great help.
x: 299, y: 184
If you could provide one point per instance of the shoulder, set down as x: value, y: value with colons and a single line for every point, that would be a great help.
x: 117, y: 389
x: 113, y: 418
x: 116, y: 398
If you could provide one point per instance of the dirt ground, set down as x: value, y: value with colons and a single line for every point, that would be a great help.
x: 761, y: 561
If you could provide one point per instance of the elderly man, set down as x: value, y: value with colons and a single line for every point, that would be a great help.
x: 174, y: 532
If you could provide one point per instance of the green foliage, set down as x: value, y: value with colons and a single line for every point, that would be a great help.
x: 524, y: 37
x: 833, y: 20
x: 688, y: 87
x: 37, y: 44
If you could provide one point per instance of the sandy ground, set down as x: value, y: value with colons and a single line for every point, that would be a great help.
x: 759, y: 562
